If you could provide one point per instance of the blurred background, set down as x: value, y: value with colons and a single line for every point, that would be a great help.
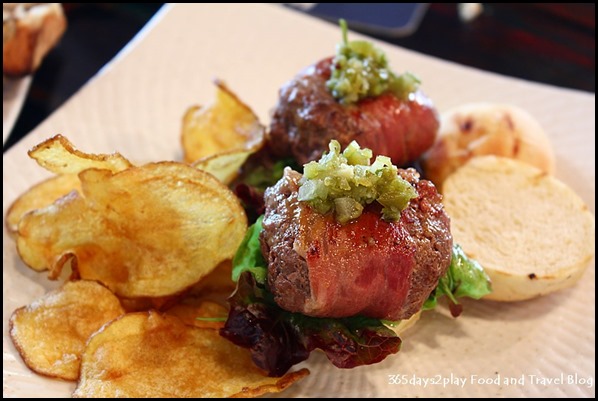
x: 548, y: 43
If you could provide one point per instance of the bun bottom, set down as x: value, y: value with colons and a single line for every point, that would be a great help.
x: 532, y: 234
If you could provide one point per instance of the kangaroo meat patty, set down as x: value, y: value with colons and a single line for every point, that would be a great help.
x: 368, y: 267
x: 307, y: 117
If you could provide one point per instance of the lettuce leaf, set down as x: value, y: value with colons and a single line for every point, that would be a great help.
x: 259, y: 173
x: 249, y: 255
x: 464, y: 278
x: 262, y: 177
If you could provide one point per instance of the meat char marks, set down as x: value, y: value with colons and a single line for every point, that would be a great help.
x: 368, y: 267
x: 307, y: 117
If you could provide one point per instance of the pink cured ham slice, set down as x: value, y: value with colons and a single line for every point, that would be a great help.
x: 362, y: 268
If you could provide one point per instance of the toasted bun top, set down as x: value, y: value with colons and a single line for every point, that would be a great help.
x: 479, y: 129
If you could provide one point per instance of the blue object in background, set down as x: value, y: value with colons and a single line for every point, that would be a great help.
x: 389, y: 19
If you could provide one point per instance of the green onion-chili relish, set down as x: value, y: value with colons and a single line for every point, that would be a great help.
x: 345, y: 182
x: 360, y: 70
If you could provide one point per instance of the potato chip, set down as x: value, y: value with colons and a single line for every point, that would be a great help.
x: 200, y: 312
x: 51, y: 333
x: 59, y: 156
x: 148, y: 231
x: 225, y: 126
x: 150, y: 355
x: 40, y: 195
x: 224, y: 166
x: 147, y: 303
x: 218, y: 281
x: 207, y: 299
x: 47, y: 228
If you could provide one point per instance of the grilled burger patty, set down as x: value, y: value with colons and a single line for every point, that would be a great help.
x: 307, y: 117
x: 368, y: 267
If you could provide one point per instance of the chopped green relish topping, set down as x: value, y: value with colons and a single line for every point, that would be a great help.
x: 361, y: 70
x: 345, y: 182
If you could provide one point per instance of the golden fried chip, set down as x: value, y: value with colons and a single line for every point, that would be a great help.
x: 218, y: 281
x: 208, y: 298
x: 148, y: 231
x: 224, y: 166
x: 54, y: 226
x: 149, y: 355
x: 40, y: 195
x: 226, y: 125
x: 51, y: 333
x: 59, y: 156
x: 215, y: 287
x: 200, y: 312
x: 147, y: 303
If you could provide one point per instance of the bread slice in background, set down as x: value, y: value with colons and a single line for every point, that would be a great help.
x: 478, y: 129
x: 30, y: 31
x: 532, y: 234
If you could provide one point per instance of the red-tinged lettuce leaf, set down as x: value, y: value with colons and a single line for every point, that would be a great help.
x: 279, y: 339
x: 349, y: 342
x: 256, y: 324
x: 258, y: 173
x: 251, y: 198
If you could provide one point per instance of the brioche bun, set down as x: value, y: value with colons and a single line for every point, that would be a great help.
x: 478, y: 129
x: 532, y: 234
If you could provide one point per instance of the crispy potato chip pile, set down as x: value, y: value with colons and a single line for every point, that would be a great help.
x: 152, y: 230
x: 148, y: 249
